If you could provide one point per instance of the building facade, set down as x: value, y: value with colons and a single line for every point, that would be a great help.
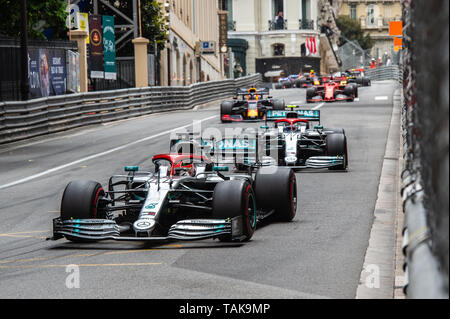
x: 374, y: 17
x: 190, y: 22
x: 256, y: 35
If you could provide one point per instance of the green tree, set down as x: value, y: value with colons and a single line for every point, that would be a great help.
x: 351, y: 29
x: 153, y: 24
x: 41, y: 15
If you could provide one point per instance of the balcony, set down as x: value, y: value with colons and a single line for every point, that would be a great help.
x: 273, y: 26
x: 231, y: 25
x: 306, y: 24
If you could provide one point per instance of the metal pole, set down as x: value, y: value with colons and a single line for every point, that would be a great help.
x: 140, y: 23
x: 135, y: 26
x: 24, y: 86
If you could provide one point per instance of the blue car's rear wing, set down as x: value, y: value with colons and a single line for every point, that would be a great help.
x: 259, y: 91
x: 291, y: 112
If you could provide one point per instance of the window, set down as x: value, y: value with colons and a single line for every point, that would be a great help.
x: 371, y: 15
x: 353, y: 11
x: 278, y: 49
x: 277, y: 6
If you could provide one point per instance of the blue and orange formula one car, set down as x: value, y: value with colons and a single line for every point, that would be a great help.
x: 249, y: 105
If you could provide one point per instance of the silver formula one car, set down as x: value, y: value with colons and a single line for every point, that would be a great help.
x: 187, y: 197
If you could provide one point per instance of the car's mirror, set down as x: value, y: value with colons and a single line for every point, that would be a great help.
x: 318, y: 127
x: 221, y: 168
x: 264, y: 127
x: 131, y: 168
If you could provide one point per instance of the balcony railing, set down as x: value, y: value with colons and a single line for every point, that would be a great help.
x: 277, y: 26
x: 306, y: 24
x: 231, y: 25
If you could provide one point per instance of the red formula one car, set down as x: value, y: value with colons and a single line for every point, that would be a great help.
x: 332, y: 91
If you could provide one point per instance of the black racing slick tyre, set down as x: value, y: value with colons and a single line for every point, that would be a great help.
x: 279, y: 105
x: 310, y: 94
x: 276, y: 189
x: 355, y: 92
x: 225, y: 109
x: 330, y: 131
x: 337, y: 146
x: 235, y: 198
x: 81, y: 200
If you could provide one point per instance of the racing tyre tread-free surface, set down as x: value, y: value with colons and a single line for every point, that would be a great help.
x: 81, y: 201
x: 225, y: 109
x: 276, y: 188
x: 337, y: 146
x: 234, y: 198
x: 279, y: 105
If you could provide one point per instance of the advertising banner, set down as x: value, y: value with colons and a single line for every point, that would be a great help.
x: 96, y: 47
x: 109, y: 48
x: 34, y: 78
x: 83, y: 23
x: 73, y: 75
x: 46, y: 72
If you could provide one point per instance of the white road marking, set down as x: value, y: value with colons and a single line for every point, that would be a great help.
x: 84, y: 159
x: 319, y: 106
x: 381, y: 98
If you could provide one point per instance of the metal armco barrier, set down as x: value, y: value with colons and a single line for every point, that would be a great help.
x: 392, y: 72
x: 22, y: 120
x: 425, y: 138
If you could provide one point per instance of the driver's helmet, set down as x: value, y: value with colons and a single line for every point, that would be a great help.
x: 188, y: 169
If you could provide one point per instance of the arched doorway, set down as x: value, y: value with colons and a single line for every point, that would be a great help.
x: 184, y: 75
x: 191, y: 72
x: 177, y: 70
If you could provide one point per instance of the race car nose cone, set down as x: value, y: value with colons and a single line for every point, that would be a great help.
x: 144, y: 226
x: 252, y: 113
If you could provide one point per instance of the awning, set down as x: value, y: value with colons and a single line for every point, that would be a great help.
x: 272, y: 74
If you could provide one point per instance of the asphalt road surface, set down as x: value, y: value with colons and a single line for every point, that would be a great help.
x: 318, y: 255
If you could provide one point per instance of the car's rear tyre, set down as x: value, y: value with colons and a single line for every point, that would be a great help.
x: 81, y: 200
x: 235, y: 198
x: 330, y: 131
x: 279, y: 105
x: 299, y: 83
x: 226, y: 108
x: 337, y: 146
x: 355, y: 92
x: 278, y: 87
x: 310, y: 94
x: 286, y: 84
x: 276, y: 189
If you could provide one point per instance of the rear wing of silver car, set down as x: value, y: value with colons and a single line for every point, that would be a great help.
x: 294, y: 112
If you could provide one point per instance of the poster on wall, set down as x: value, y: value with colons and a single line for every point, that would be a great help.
x: 46, y: 72
x: 73, y: 75
x: 83, y: 23
x: 109, y: 48
x: 96, y: 47
x: 34, y: 78
x: 57, y: 66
